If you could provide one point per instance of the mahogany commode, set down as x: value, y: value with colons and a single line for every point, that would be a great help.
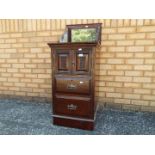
x: 73, y: 82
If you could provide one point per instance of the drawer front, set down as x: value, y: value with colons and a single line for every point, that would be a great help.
x: 72, y: 85
x: 70, y: 106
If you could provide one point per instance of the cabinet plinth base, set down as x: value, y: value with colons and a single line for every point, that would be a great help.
x: 73, y: 123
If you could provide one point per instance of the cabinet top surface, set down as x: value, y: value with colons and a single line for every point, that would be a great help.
x: 68, y: 44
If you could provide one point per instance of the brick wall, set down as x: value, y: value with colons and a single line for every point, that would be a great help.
x: 125, y: 62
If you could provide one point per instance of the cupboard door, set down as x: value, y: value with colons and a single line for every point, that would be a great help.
x: 82, y: 59
x: 63, y: 61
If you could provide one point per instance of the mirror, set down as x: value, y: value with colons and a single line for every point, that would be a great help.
x: 84, y: 33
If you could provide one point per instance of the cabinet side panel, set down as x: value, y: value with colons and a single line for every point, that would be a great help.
x: 53, y: 73
x: 93, y: 80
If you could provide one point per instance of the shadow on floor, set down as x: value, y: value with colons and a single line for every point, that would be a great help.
x: 29, y: 118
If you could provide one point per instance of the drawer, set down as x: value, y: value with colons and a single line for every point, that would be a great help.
x: 71, y: 106
x: 73, y: 85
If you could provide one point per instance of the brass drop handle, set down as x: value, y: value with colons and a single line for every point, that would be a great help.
x: 71, y: 107
x: 71, y: 86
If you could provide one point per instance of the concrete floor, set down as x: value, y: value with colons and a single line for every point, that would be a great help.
x: 30, y: 118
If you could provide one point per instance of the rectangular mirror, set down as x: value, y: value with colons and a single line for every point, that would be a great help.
x: 84, y: 33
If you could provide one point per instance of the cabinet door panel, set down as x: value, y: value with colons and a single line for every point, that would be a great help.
x: 63, y: 60
x: 82, y: 62
x: 82, y: 59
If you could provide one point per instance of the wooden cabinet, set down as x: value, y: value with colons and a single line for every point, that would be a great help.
x: 73, y: 81
x: 73, y: 84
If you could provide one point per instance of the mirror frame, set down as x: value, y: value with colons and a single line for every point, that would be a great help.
x: 96, y: 26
